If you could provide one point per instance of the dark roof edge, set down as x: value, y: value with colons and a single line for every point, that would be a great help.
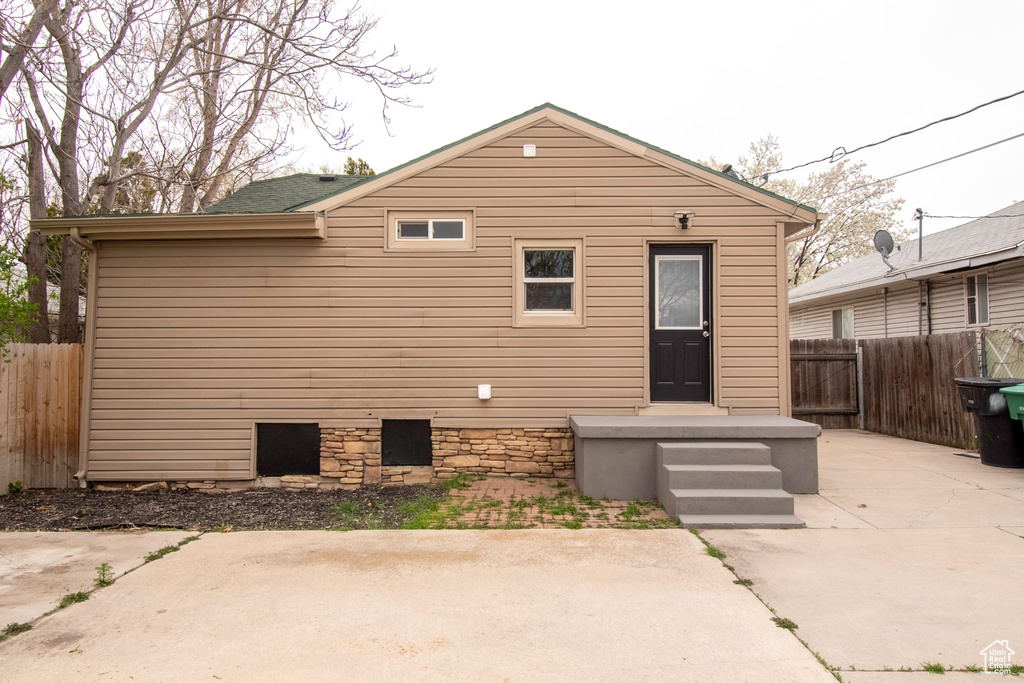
x: 548, y: 105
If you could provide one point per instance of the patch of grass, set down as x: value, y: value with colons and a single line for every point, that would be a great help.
x: 973, y: 669
x: 572, y: 524
x: 104, y: 575
x: 187, y: 540
x: 221, y: 528
x: 744, y: 582
x: 157, y: 554
x: 424, y: 513
x: 13, y: 629
x: 560, y: 485
x: 15, y: 488
x: 1016, y: 669
x: 71, y: 599
x: 459, y: 481
x: 714, y: 551
x: 787, y: 624
x: 933, y: 668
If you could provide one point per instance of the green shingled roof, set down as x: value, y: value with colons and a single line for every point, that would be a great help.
x: 276, y: 195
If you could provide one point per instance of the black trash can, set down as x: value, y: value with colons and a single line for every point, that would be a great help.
x: 1000, y: 441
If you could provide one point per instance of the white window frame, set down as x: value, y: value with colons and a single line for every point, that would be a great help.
x: 525, y: 318
x: 843, y: 332
x: 392, y: 219
x: 703, y: 315
x: 974, y: 303
x: 430, y: 228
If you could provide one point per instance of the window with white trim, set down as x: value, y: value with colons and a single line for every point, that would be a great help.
x: 842, y: 323
x: 432, y: 230
x: 976, y: 298
x: 548, y: 287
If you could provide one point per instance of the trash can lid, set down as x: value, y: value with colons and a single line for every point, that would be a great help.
x: 1017, y: 390
x: 988, y: 382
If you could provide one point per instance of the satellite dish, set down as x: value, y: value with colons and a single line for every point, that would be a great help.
x: 883, y: 242
x: 885, y: 246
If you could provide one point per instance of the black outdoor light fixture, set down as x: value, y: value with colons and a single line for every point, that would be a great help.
x: 684, y: 218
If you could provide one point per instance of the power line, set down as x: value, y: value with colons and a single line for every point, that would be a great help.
x: 921, y: 168
x: 832, y: 157
x: 1003, y: 215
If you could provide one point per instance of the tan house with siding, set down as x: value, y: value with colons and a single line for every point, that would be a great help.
x: 971, y: 277
x: 456, y: 313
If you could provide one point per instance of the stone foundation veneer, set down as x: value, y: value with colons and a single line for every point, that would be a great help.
x: 351, y: 457
x: 503, y: 452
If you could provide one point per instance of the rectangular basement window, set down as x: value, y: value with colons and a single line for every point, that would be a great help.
x: 430, y: 230
x: 284, y: 448
x: 406, y: 442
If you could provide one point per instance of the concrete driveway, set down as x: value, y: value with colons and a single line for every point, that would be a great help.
x: 531, y: 605
x: 913, y: 555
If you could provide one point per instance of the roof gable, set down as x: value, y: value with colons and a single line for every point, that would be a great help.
x: 795, y: 212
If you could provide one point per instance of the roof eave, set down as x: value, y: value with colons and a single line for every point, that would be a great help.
x: 920, y: 273
x: 303, y: 225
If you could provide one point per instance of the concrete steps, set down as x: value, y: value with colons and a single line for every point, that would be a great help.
x: 717, y: 484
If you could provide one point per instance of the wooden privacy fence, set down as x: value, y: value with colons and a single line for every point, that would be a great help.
x: 824, y: 380
x: 901, y: 386
x: 40, y: 395
x: 909, y: 389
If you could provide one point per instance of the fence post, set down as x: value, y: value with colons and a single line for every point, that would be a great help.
x: 860, y: 386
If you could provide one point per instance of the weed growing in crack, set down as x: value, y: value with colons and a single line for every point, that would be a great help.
x: 157, y: 554
x: 13, y: 629
x: 71, y: 599
x: 933, y: 667
x: 787, y: 624
x: 104, y: 576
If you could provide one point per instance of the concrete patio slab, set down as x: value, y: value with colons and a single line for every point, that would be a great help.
x: 872, y: 598
x: 935, y: 580
x: 929, y: 507
x: 532, y: 605
x: 37, y: 569
x: 832, y: 478
x: 820, y: 513
x: 917, y: 677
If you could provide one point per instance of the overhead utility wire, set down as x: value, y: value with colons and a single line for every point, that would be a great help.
x: 832, y: 157
x: 1002, y: 215
x: 921, y: 168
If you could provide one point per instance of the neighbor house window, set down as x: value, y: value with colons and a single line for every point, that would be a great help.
x: 977, y: 299
x: 446, y: 230
x: 842, y: 323
x: 549, y: 282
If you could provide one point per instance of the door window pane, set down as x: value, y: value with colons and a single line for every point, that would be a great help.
x: 680, y: 301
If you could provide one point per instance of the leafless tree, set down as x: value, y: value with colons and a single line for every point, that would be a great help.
x: 150, y: 104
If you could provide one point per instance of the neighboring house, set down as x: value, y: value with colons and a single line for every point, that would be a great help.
x: 505, y: 305
x: 971, y: 277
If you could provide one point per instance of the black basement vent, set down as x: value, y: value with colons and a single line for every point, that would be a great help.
x: 405, y: 442
x: 287, y: 448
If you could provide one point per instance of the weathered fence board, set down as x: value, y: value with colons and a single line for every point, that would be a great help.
x: 824, y: 381
x: 40, y: 395
x: 909, y: 390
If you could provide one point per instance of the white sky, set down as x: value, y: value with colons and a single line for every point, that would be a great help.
x: 707, y: 78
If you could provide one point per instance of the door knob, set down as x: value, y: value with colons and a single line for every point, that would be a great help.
x: 705, y: 333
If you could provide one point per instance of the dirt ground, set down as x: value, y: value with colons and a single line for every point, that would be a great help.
x: 257, y: 508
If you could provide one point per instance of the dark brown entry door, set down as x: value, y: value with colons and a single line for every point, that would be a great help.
x: 680, y: 329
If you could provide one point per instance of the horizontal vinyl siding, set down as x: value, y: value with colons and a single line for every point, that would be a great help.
x: 197, y: 340
x: 901, y: 304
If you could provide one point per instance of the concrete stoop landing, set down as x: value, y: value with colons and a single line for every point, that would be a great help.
x: 723, y: 485
x: 713, y: 471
